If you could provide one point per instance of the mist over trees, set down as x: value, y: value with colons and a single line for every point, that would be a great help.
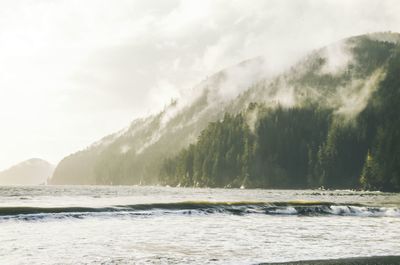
x: 330, y: 120
x: 304, y: 146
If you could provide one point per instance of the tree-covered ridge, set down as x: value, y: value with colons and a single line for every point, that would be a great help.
x: 307, y: 145
x: 340, y: 88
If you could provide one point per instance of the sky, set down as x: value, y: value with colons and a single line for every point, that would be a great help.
x: 73, y: 71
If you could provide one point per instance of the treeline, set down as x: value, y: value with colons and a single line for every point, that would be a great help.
x: 280, y: 151
x: 300, y: 147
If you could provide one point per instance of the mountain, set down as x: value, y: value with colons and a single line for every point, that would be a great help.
x: 337, y: 129
x: 34, y: 171
x: 134, y: 154
x: 345, y: 85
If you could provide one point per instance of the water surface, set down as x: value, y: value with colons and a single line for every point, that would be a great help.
x: 159, y: 225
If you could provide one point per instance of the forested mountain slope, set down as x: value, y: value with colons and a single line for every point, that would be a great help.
x: 134, y: 155
x: 341, y: 130
x: 329, y: 120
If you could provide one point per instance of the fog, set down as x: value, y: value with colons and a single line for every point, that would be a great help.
x: 74, y: 71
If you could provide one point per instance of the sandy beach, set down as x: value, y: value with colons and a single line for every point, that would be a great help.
x: 384, y: 260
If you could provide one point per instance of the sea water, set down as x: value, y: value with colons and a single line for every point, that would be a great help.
x: 162, y: 225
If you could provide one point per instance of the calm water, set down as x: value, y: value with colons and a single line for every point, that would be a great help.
x: 158, y: 225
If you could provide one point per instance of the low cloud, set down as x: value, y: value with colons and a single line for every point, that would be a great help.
x: 97, y: 65
x: 337, y: 58
x: 354, y: 98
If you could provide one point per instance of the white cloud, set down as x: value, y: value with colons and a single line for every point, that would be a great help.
x: 72, y: 71
x: 337, y: 56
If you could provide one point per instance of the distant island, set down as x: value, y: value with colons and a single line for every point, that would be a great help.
x: 34, y: 171
x: 331, y: 120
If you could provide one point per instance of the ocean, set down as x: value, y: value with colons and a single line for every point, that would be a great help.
x: 166, y: 225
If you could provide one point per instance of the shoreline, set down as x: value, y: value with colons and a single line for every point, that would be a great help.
x: 374, y: 260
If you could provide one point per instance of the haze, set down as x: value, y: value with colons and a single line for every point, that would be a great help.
x: 74, y: 71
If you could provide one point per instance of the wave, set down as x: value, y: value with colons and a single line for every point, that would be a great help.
x: 299, y: 208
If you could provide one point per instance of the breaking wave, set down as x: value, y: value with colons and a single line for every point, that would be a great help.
x: 297, y: 208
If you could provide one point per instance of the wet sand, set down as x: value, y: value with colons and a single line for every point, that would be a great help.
x: 384, y: 260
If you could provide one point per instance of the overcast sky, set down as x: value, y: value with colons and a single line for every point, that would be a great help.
x: 73, y: 71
